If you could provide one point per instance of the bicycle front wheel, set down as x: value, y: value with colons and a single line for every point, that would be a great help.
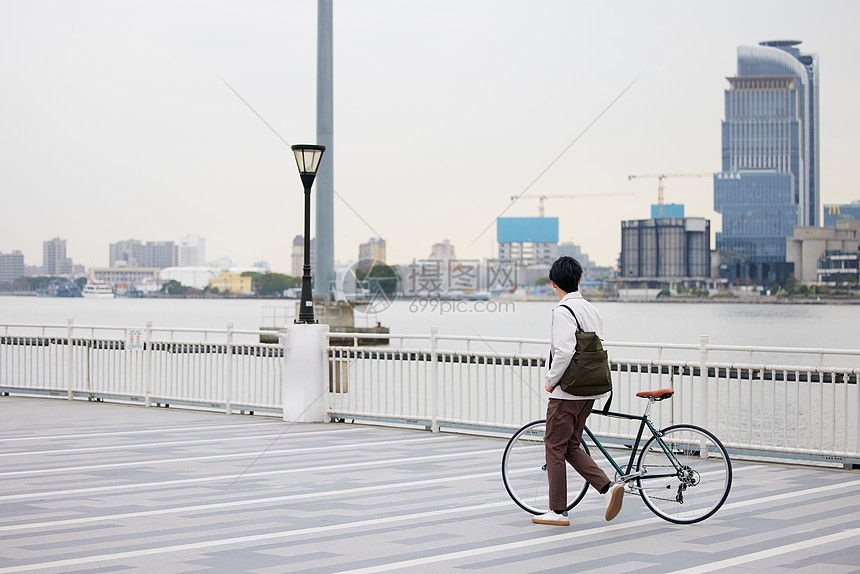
x: 693, y: 482
x: 524, y: 471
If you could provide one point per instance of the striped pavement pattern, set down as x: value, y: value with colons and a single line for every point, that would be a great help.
x: 98, y: 487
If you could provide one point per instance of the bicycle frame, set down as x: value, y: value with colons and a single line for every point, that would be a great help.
x: 644, y: 421
x: 668, y: 477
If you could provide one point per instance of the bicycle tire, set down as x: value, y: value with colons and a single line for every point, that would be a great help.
x: 524, y: 471
x: 703, y: 484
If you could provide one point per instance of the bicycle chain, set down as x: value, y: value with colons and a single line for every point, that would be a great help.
x: 660, y: 497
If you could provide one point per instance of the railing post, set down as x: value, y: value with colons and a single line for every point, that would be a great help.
x: 305, y: 373
x: 147, y: 363
x: 701, y: 397
x: 434, y: 379
x: 284, y: 342
x: 228, y: 379
x: 69, y: 356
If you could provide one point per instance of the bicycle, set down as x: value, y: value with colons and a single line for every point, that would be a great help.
x: 683, y: 472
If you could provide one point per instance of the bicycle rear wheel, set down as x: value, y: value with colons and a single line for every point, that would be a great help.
x: 524, y: 471
x: 699, y: 488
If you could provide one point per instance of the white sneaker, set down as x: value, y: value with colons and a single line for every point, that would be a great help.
x: 553, y: 518
x: 614, y: 497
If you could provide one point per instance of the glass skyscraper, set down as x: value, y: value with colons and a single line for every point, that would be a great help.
x: 837, y: 212
x: 769, y: 178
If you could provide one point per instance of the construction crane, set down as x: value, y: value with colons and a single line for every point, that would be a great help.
x: 660, y: 177
x: 541, y: 198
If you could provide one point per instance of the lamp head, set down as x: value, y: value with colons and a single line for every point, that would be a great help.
x: 308, y: 157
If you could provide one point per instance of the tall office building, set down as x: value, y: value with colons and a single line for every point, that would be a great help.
x: 297, y: 255
x: 11, y: 266
x: 192, y: 251
x: 160, y: 254
x: 769, y: 181
x: 127, y: 253
x: 443, y: 251
x: 54, y: 260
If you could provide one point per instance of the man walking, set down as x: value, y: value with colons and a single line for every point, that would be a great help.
x: 566, y: 413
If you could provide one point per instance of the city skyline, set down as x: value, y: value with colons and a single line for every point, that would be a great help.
x: 117, y: 122
x: 135, y: 253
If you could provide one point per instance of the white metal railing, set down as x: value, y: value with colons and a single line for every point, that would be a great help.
x: 151, y: 365
x: 806, y: 410
x: 809, y: 410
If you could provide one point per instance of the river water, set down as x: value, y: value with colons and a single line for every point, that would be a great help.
x: 771, y: 325
x: 789, y: 325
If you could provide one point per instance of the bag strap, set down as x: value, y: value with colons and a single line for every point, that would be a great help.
x: 605, y: 408
x: 578, y: 327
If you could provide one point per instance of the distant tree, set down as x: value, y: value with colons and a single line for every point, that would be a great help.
x: 791, y: 284
x: 843, y: 279
x: 80, y: 282
x: 36, y: 283
x: 542, y: 281
x: 174, y: 287
x: 380, y: 278
x: 271, y: 283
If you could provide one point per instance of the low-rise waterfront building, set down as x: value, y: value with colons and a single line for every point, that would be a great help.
x: 232, y: 282
x: 837, y: 268
x: 197, y: 277
x: 809, y: 245
x: 121, y: 275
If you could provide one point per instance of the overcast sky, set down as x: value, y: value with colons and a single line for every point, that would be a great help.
x: 115, y: 123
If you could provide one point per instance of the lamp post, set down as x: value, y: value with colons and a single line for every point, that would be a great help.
x: 308, y: 160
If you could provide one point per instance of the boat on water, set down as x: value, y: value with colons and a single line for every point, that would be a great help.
x: 98, y: 290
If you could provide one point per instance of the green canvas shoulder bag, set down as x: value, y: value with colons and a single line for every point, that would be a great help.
x: 588, y: 373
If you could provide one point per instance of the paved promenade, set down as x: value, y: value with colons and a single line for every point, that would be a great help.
x: 95, y: 487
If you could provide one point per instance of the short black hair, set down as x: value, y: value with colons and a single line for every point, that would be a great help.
x: 566, y: 273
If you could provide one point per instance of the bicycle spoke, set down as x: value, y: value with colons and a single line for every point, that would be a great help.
x: 524, y: 471
x: 699, y: 484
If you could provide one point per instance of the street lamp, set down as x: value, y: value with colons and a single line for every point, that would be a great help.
x: 308, y: 160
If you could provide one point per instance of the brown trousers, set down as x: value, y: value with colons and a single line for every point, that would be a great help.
x: 565, y: 421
